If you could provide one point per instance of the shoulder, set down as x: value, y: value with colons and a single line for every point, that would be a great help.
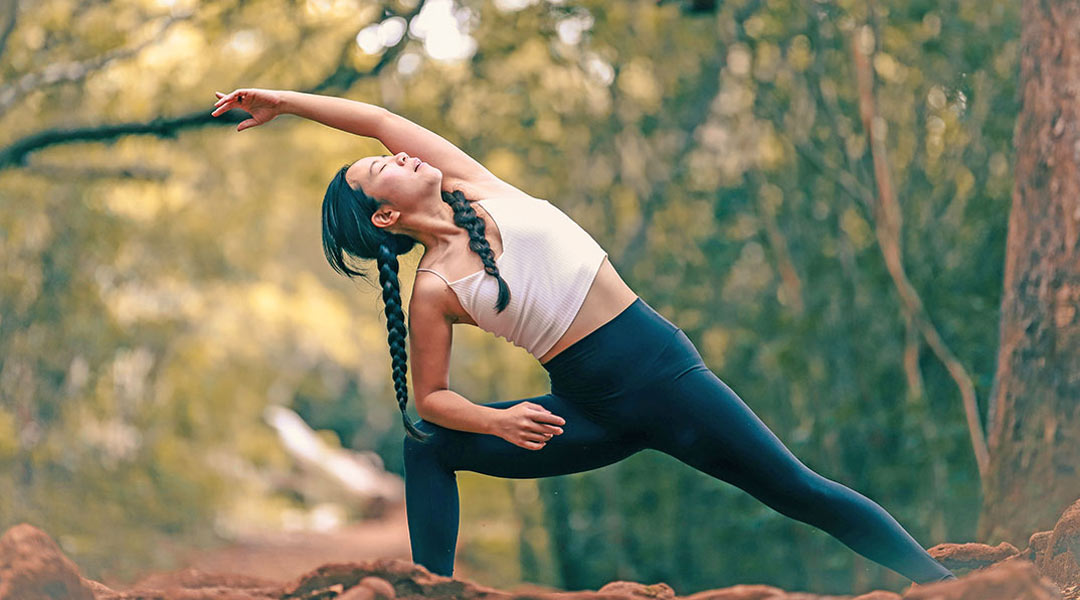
x: 433, y: 301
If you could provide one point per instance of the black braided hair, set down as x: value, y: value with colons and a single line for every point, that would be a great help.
x: 466, y: 218
x: 347, y: 231
x: 395, y: 326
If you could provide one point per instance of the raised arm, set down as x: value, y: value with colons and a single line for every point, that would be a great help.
x: 396, y: 132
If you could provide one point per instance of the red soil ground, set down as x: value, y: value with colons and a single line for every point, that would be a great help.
x: 370, y: 562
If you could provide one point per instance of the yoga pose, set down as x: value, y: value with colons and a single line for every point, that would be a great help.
x: 623, y: 377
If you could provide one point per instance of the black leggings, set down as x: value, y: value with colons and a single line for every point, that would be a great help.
x: 638, y: 382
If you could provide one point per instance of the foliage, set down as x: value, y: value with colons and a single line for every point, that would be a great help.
x: 159, y: 292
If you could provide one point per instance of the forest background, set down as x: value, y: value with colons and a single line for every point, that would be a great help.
x: 163, y: 281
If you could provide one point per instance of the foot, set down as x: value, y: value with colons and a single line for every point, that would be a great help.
x: 947, y: 577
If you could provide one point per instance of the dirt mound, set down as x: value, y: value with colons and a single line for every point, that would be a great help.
x: 32, y: 567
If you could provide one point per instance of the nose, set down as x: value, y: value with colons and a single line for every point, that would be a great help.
x: 401, y: 157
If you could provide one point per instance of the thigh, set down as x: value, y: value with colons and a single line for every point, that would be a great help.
x: 585, y: 444
x: 706, y: 425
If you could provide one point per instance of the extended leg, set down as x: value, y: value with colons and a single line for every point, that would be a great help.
x: 431, y: 494
x: 711, y: 429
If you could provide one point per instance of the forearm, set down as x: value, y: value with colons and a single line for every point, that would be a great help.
x: 352, y: 116
x: 453, y: 411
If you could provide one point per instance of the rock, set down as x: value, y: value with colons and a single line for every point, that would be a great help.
x: 878, y: 595
x: 636, y: 590
x: 1014, y: 579
x: 1059, y: 559
x: 405, y: 577
x: 97, y: 589
x: 741, y: 592
x: 359, y: 592
x: 32, y: 567
x: 382, y: 588
x: 972, y: 555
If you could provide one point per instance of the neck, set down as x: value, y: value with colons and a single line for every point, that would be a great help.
x: 433, y: 227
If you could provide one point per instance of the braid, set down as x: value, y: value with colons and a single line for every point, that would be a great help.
x: 348, y: 232
x: 466, y: 218
x: 395, y: 325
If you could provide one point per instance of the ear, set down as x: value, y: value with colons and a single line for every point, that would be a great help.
x: 384, y: 216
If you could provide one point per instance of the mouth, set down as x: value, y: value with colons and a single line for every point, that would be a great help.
x: 418, y: 163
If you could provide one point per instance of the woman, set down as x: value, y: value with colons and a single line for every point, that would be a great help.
x: 623, y: 377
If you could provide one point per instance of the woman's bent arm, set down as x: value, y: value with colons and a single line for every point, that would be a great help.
x: 454, y: 411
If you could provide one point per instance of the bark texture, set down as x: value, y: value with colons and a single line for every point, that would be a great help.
x: 1035, y: 408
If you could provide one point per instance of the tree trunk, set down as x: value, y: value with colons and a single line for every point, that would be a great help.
x: 1035, y: 408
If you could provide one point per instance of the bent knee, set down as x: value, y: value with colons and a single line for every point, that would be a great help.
x: 435, y: 442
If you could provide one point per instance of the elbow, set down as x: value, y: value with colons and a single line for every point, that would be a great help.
x: 381, y: 123
x: 422, y: 406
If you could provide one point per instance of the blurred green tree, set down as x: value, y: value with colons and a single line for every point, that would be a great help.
x: 165, y: 276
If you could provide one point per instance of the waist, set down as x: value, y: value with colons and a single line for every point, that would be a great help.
x: 613, y: 357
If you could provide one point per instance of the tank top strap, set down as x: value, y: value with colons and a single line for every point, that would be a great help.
x: 435, y: 272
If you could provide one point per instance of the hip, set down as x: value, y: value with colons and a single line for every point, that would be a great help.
x: 637, y: 347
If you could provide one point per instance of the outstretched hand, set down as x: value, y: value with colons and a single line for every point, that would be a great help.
x: 528, y: 425
x: 263, y: 105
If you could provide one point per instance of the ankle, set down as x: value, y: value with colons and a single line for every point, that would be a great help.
x: 947, y: 577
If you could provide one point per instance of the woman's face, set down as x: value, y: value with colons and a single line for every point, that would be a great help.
x: 403, y: 182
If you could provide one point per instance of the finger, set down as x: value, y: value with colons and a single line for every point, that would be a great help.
x: 534, y: 437
x: 550, y: 418
x: 533, y: 445
x: 543, y: 429
x: 246, y: 124
x: 224, y: 108
x: 230, y: 96
x: 534, y: 424
x: 552, y: 429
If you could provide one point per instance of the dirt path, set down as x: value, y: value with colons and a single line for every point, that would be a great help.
x: 283, y: 556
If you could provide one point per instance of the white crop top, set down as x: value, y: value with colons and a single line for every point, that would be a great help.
x: 548, y: 261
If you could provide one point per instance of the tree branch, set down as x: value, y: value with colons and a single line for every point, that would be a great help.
x: 887, y: 219
x: 15, y: 154
x: 790, y: 281
x: 11, y: 7
x: 78, y: 70
x: 68, y: 173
